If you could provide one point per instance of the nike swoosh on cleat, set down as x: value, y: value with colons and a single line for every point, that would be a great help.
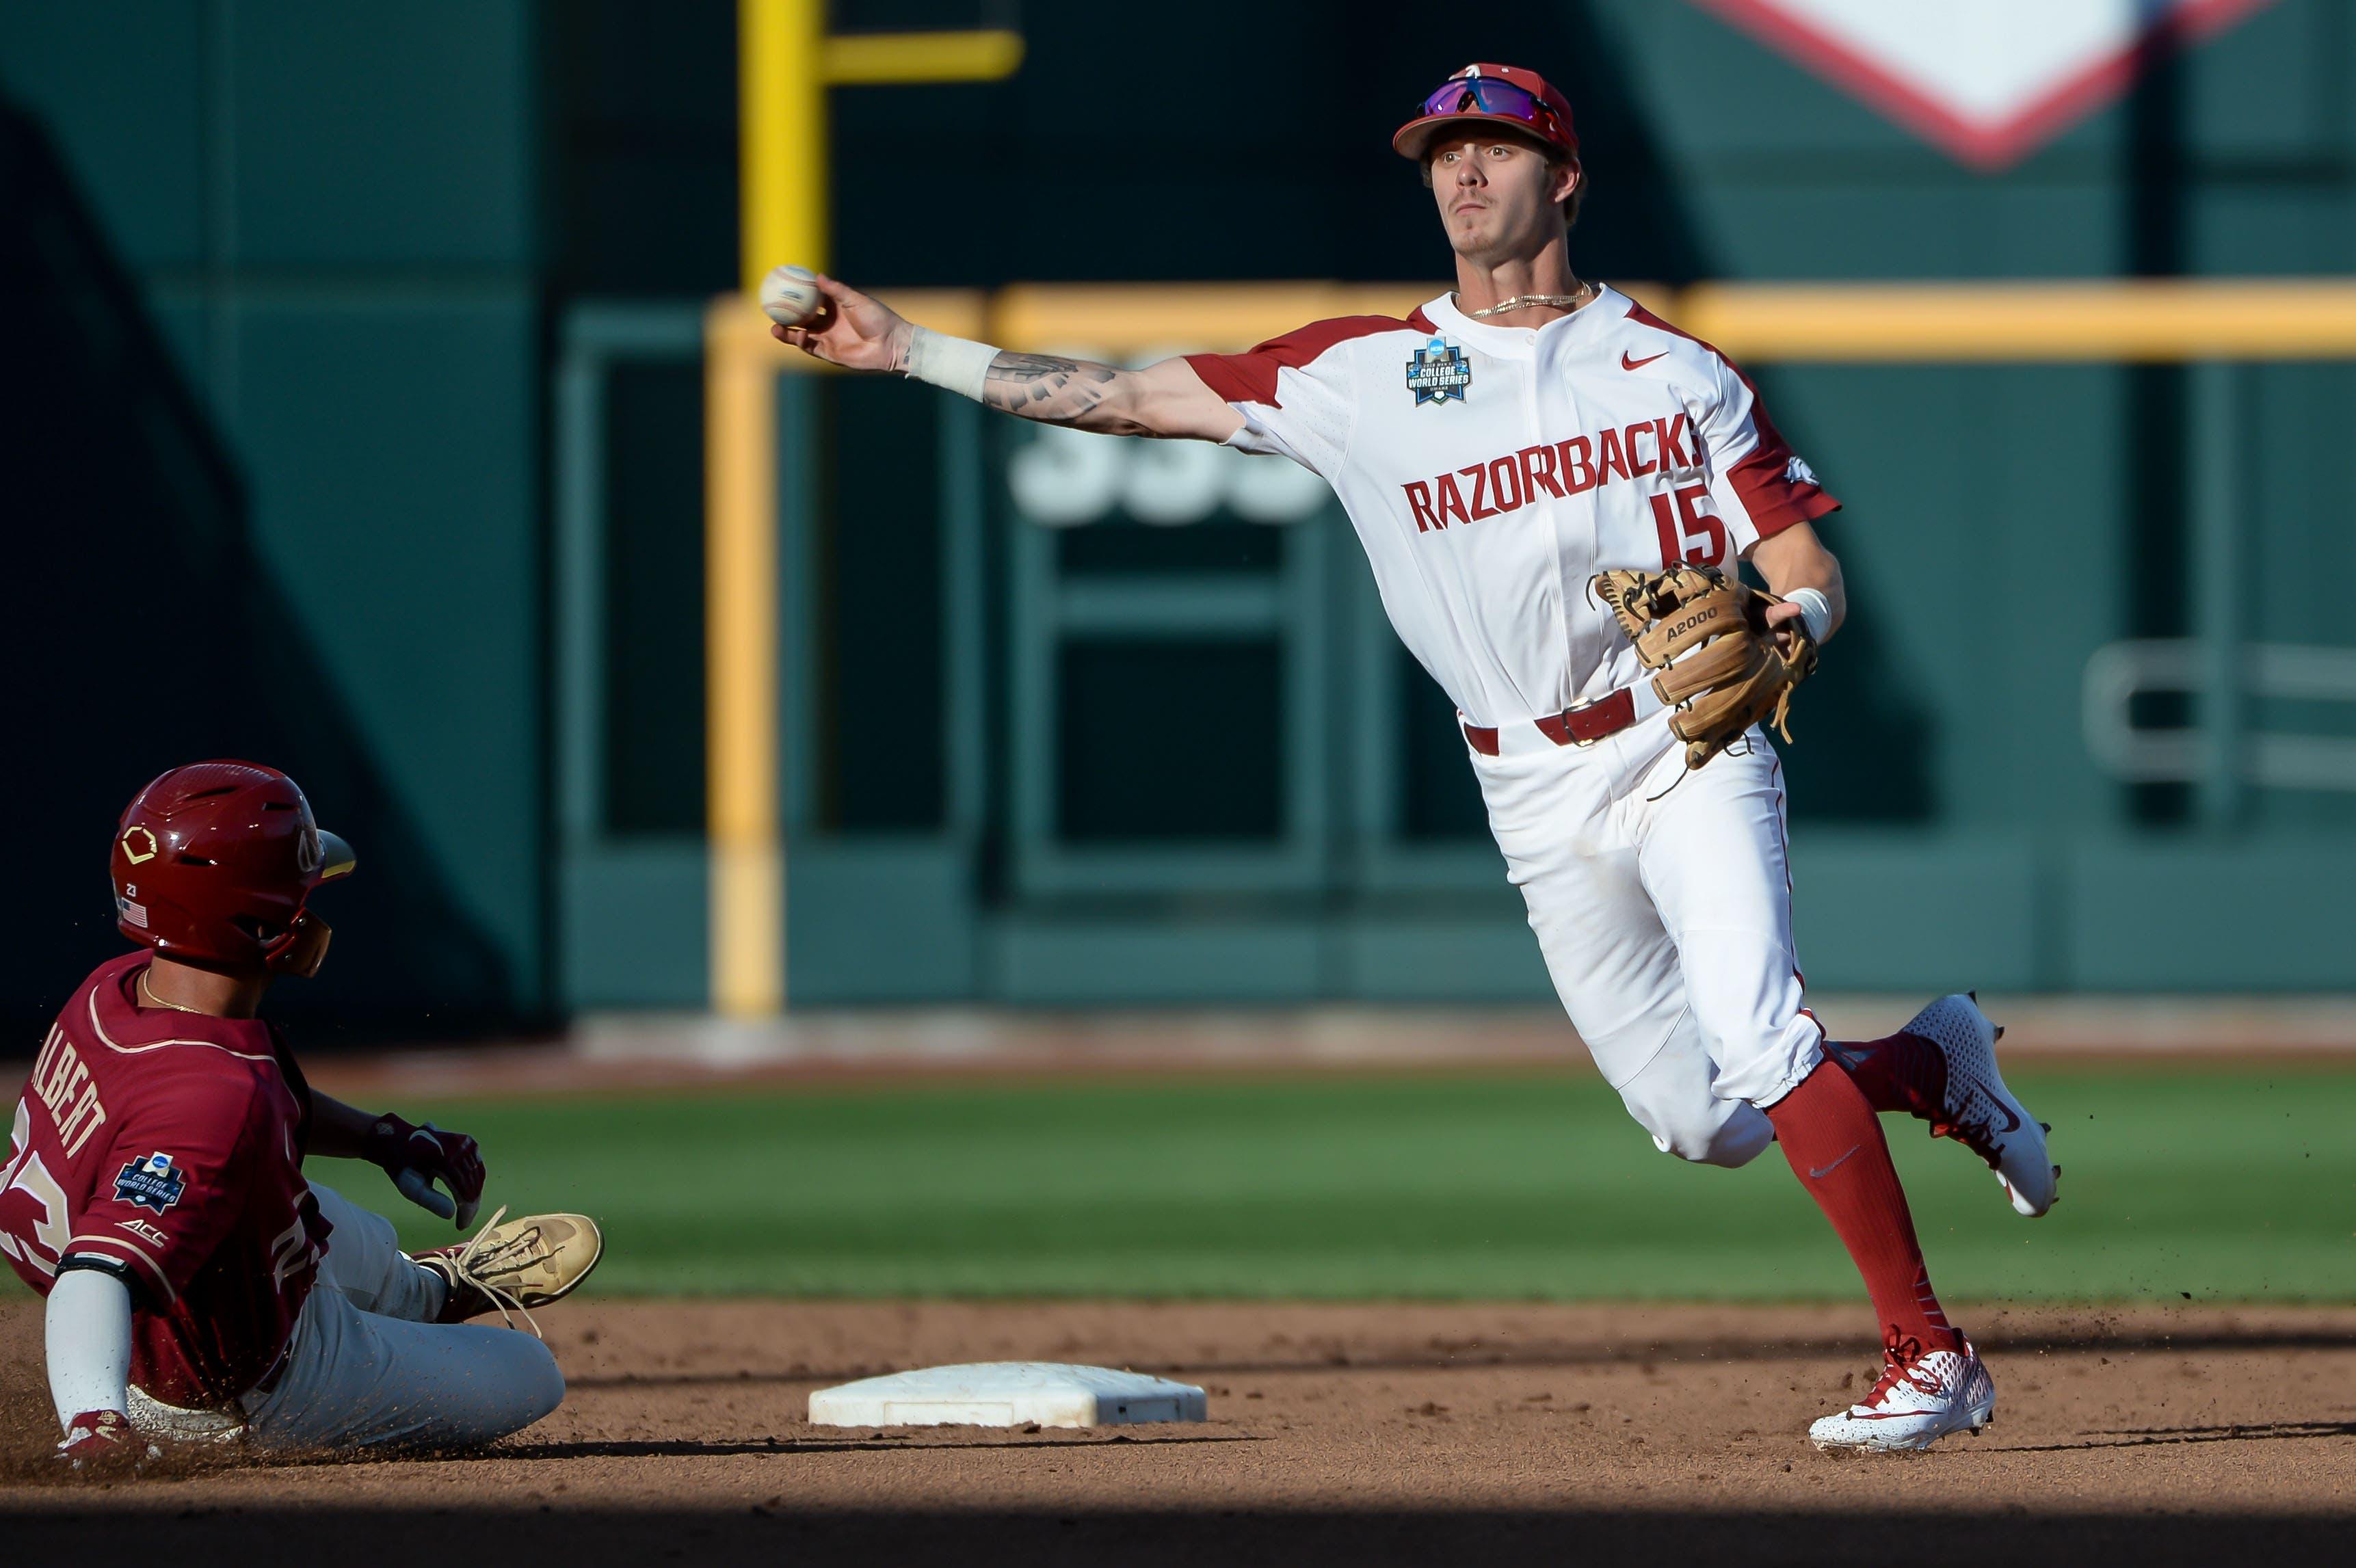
x: 1628, y: 364
x: 1836, y: 1165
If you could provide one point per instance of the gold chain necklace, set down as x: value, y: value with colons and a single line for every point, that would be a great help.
x: 148, y: 992
x: 1520, y: 301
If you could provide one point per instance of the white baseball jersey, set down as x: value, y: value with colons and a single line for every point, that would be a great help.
x: 1491, y: 471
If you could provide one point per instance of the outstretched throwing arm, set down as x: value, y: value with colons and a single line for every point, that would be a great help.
x: 1165, y: 398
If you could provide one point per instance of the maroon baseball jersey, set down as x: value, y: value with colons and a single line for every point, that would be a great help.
x: 169, y: 1143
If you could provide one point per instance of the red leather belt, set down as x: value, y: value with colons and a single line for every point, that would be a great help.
x: 1572, y: 727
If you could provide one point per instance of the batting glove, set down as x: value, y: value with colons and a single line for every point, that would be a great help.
x: 416, y: 1157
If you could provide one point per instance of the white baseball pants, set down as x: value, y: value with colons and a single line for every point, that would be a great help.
x: 366, y: 1370
x: 1662, y: 902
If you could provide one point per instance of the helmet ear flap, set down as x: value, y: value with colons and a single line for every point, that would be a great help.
x: 304, y: 948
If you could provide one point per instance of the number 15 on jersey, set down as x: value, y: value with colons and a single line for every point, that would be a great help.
x: 1689, y: 531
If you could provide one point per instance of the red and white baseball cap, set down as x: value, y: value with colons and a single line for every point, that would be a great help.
x: 1495, y: 94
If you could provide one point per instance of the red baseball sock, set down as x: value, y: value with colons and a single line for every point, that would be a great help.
x: 1828, y: 1133
x: 1898, y: 1073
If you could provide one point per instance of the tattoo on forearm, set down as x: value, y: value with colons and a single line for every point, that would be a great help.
x: 1045, y: 388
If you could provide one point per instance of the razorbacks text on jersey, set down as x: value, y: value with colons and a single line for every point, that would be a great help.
x: 169, y: 1144
x: 1491, y: 471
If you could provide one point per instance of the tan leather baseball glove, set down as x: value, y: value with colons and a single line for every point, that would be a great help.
x: 1721, y: 670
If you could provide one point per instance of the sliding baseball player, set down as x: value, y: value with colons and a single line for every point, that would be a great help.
x: 202, y: 1286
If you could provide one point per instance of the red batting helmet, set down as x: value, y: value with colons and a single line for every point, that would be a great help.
x: 1496, y: 95
x: 212, y: 863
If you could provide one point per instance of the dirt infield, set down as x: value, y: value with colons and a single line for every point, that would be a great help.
x: 1391, y: 1433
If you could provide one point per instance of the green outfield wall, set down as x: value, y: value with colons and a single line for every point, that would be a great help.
x: 371, y: 271
x: 327, y: 220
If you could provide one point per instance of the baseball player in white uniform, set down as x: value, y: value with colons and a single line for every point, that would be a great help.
x: 1495, y: 451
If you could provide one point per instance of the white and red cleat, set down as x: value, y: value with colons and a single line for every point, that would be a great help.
x: 1921, y: 1397
x: 1978, y: 1112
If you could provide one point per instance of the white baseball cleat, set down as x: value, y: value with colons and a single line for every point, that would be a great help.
x: 1921, y: 1397
x: 1979, y: 1111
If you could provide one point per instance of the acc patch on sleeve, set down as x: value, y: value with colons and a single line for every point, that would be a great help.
x: 152, y: 1183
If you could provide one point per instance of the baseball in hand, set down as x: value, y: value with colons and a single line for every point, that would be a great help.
x: 791, y: 296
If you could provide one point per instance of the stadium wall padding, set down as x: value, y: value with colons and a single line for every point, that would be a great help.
x: 350, y: 238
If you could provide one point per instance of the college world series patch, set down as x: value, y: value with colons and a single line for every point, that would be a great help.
x: 151, y: 1183
x: 1437, y: 373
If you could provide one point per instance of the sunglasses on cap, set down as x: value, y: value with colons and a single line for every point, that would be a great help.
x: 1488, y: 95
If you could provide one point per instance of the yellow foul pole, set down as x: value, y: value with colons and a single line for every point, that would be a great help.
x: 740, y: 598
x: 785, y: 62
x: 782, y: 159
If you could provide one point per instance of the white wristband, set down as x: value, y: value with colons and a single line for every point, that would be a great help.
x: 1815, y: 612
x: 954, y: 364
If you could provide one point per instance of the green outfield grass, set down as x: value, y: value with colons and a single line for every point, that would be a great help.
x: 2218, y: 1185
